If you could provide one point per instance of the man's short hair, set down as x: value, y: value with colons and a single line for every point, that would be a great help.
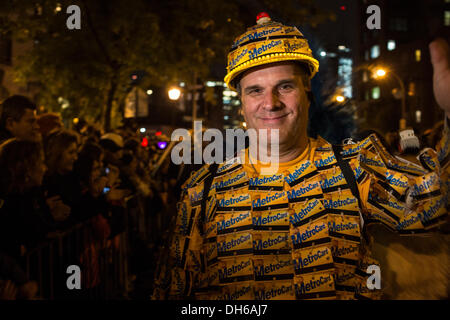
x: 14, y: 107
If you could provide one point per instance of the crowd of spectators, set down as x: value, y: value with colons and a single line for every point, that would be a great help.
x: 52, y: 179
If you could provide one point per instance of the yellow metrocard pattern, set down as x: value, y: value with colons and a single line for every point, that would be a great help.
x: 270, y: 200
x: 429, y: 159
x: 234, y: 270
x: 273, y: 267
x: 390, y: 206
x: 371, y: 162
x: 196, y: 177
x: 233, y: 181
x: 345, y: 277
x: 270, y: 242
x: 300, y: 172
x: 241, y: 291
x: 345, y: 227
x: 271, y: 220
x: 307, y: 190
x: 311, y: 234
x: 374, y: 214
x: 324, y: 160
x: 273, y: 182
x: 239, y: 243
x: 235, y: 201
x: 210, y: 253
x: 345, y: 252
x: 178, y: 249
x: 274, y: 290
x: 313, y: 259
x: 352, y: 150
x: 315, y: 285
x: 341, y: 202
x: 425, y: 187
x: 196, y: 194
x: 432, y: 212
x: 305, y: 212
x: 233, y: 222
x: 332, y: 180
x: 181, y: 282
x: 185, y: 218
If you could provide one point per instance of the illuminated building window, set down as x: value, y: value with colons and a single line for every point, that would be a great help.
x: 345, y: 72
x: 365, y: 78
x: 375, y: 51
x: 391, y: 45
x: 447, y: 18
x: 376, y: 93
x: 366, y: 55
x: 412, y: 89
x: 418, y: 116
x: 418, y: 55
x: 398, y: 24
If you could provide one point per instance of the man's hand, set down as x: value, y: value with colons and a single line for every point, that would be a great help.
x: 8, y: 291
x: 28, y: 290
x: 58, y: 209
x: 440, y: 58
x: 98, y: 186
x: 117, y: 194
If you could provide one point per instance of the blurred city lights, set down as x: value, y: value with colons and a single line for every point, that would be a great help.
x: 174, y: 94
x: 142, y: 130
x: 323, y: 53
x: 340, y: 98
x: 162, y: 144
x: 158, y: 133
x: 149, y: 92
x: 380, y: 72
x: 144, y: 142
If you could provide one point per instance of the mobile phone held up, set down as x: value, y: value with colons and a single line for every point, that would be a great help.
x: 105, y: 172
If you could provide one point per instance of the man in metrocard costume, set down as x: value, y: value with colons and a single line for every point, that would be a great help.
x: 299, y: 233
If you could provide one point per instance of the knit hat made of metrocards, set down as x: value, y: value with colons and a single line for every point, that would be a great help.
x: 268, y: 42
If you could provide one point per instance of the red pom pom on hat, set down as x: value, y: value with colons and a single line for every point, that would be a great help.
x: 262, y: 15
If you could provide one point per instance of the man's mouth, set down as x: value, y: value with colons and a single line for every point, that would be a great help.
x: 274, y: 119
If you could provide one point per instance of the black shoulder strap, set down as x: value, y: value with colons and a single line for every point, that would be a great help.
x: 351, y: 181
x: 348, y: 173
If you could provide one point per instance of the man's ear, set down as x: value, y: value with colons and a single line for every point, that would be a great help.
x: 9, y: 123
x: 306, y: 83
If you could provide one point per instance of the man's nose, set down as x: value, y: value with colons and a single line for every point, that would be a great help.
x: 272, y: 101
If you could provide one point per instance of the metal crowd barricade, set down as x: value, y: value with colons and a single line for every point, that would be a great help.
x: 103, y: 264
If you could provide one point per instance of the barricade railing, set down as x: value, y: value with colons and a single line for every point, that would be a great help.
x: 102, y: 261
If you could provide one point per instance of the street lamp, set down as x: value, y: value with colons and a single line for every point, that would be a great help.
x: 380, y: 73
x: 174, y: 93
x: 340, y: 98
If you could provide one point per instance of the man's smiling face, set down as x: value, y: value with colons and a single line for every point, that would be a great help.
x: 274, y: 97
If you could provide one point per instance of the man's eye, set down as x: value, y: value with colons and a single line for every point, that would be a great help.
x: 255, y: 91
x: 286, y: 87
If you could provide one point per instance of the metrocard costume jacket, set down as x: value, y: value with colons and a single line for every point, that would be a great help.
x: 299, y: 234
